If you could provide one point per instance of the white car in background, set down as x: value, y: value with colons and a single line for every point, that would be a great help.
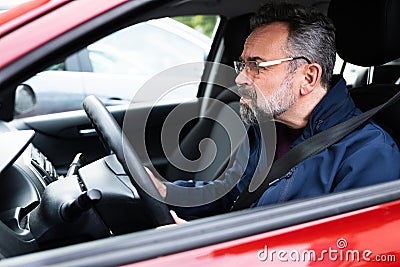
x: 115, y: 67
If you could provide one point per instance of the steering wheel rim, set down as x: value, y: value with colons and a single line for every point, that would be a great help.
x: 111, y: 135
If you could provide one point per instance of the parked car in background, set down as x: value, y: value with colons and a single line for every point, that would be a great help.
x: 115, y: 67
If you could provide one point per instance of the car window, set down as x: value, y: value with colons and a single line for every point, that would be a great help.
x: 350, y: 73
x: 356, y: 76
x: 118, y: 53
x: 116, y: 66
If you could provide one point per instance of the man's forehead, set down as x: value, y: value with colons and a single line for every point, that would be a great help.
x: 264, y: 41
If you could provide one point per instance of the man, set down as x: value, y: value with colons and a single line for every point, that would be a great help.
x: 285, y: 71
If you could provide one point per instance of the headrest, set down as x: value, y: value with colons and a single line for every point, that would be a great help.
x: 367, y: 32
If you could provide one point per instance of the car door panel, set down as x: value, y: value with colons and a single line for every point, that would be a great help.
x: 146, y: 128
x: 61, y: 136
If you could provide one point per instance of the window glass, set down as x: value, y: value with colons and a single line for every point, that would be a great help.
x: 59, y: 66
x: 115, y: 67
x: 356, y: 76
x: 148, y: 48
x: 351, y: 72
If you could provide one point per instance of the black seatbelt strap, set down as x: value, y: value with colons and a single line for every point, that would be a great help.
x: 308, y: 148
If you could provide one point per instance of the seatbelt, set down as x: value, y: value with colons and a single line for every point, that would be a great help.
x: 308, y: 148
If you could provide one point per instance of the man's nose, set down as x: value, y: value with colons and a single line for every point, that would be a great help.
x: 243, y: 79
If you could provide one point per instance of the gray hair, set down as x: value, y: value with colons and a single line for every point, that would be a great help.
x: 311, y: 34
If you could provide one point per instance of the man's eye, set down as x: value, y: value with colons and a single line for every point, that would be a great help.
x: 252, y: 65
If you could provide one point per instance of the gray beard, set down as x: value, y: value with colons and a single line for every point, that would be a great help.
x: 247, y: 115
x: 279, y: 102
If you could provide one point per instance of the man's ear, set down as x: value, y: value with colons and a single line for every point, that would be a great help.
x: 312, y: 76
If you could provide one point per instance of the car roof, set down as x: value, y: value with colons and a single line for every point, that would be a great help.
x: 14, y: 14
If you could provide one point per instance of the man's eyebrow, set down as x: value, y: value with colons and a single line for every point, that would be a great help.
x: 256, y: 58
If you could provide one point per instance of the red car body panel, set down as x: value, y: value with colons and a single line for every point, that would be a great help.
x: 49, y: 26
x: 370, y: 233
x: 367, y: 237
x: 26, y: 12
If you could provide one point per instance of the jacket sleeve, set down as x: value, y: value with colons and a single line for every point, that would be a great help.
x: 216, y: 196
x: 192, y: 199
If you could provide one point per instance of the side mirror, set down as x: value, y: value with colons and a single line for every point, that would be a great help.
x: 25, y: 99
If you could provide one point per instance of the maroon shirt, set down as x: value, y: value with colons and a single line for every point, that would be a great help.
x: 285, y: 138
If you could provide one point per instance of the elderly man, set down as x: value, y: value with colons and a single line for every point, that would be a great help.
x: 285, y: 72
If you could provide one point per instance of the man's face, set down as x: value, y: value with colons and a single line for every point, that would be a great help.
x: 267, y: 92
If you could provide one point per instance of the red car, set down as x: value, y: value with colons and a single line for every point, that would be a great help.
x: 66, y: 200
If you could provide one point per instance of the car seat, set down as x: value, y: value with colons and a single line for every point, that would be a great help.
x: 368, y: 34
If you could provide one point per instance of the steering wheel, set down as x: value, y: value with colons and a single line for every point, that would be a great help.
x: 110, y: 134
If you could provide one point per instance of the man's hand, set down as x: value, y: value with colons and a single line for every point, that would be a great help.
x: 163, y: 192
x: 176, y: 218
x: 162, y: 189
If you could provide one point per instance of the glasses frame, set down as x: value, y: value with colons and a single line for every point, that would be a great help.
x: 240, y: 65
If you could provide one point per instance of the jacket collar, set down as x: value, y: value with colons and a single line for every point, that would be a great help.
x: 335, y: 107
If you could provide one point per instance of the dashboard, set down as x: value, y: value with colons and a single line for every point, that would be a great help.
x: 40, y: 209
x: 22, y: 177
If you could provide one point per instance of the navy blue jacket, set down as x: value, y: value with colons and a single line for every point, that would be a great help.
x: 365, y: 157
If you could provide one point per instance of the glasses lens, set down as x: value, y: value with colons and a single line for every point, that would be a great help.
x: 252, y: 67
x: 238, y: 66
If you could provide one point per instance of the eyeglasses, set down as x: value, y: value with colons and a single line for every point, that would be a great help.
x: 254, y: 66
